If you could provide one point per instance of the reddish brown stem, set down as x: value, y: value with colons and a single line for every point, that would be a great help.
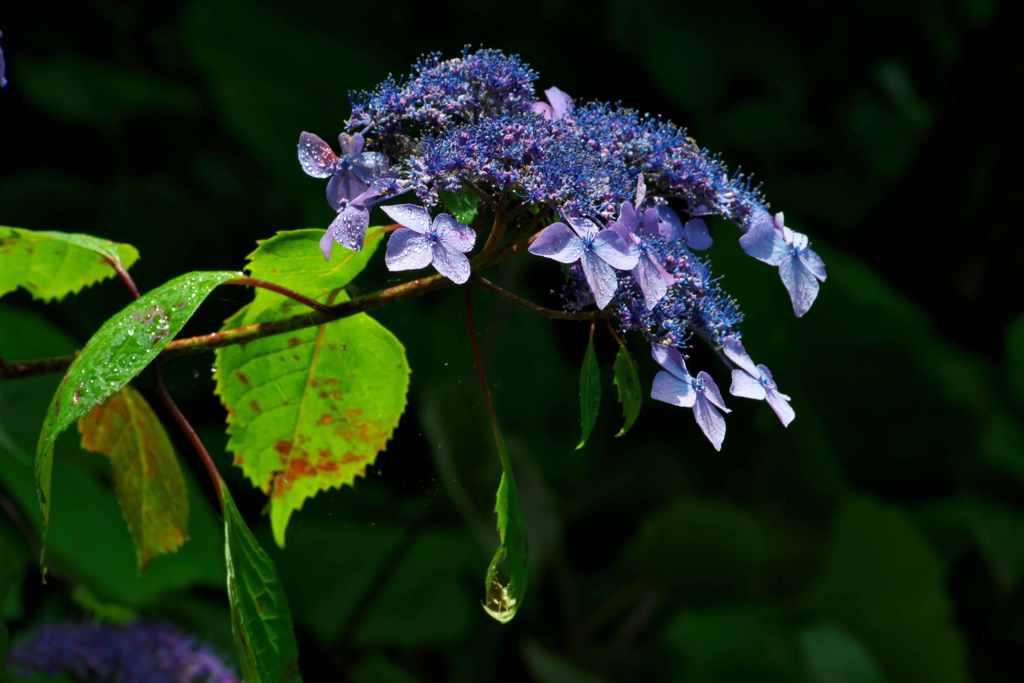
x: 280, y: 289
x: 540, y: 310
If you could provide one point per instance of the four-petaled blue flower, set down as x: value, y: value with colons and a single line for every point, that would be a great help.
x: 801, y: 269
x: 674, y: 385
x: 600, y: 253
x: 558, y: 106
x: 351, y: 174
x: 420, y: 242
x: 649, y: 273
x: 756, y: 381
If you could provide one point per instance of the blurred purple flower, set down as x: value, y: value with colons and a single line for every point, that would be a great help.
x: 801, y: 269
x: 756, y: 381
x: 140, y: 653
x: 600, y: 253
x: 420, y: 242
x: 650, y: 275
x: 558, y: 106
x: 674, y: 385
x: 350, y: 174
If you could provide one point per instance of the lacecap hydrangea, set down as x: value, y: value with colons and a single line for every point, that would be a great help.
x: 618, y: 196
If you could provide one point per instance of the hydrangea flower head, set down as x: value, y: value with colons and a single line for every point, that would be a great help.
x: 140, y: 653
x: 421, y: 242
x: 626, y: 199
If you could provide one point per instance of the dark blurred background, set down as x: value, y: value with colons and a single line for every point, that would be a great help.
x: 879, y: 538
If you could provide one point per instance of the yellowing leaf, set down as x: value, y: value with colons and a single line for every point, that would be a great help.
x: 147, y: 477
x: 51, y: 265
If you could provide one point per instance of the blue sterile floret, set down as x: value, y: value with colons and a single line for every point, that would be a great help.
x: 624, y: 196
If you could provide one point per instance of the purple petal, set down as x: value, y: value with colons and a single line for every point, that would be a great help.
x: 543, y: 108
x: 411, y: 216
x: 641, y: 190
x: 745, y: 386
x: 349, y: 227
x: 627, y: 222
x: 451, y: 263
x: 697, y: 235
x: 454, y: 234
x: 315, y: 156
x: 670, y: 226
x: 351, y: 145
x: 780, y: 404
x: 800, y: 283
x: 735, y: 352
x: 327, y: 244
x: 611, y: 248
x: 813, y: 263
x: 369, y: 166
x: 408, y: 250
x: 584, y: 227
x: 561, y: 103
x: 671, y: 360
x: 653, y: 280
x: 649, y: 224
x: 558, y: 242
x: 672, y: 390
x: 763, y: 241
x: 710, y: 421
x: 342, y: 187
x: 600, y: 276
x: 711, y: 390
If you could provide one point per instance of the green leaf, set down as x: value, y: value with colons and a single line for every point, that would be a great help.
x: 91, y: 541
x: 260, y: 618
x: 627, y: 381
x: 834, y: 656
x: 507, y: 574
x: 463, y: 204
x: 147, y: 477
x: 309, y: 411
x: 120, y: 350
x: 590, y: 392
x: 51, y: 265
x: 292, y: 258
x: 885, y: 584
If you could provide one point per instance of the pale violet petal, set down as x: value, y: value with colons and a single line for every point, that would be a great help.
x: 672, y: 390
x: 710, y: 421
x: 711, y: 390
x: 351, y: 145
x: 408, y: 250
x: 344, y: 186
x: 584, y: 227
x: 561, y: 103
x: 697, y: 235
x: 641, y: 191
x: 780, y: 404
x: 745, y: 386
x: 327, y: 244
x: 669, y: 224
x: 601, y: 278
x: 800, y: 283
x: 451, y: 263
x: 315, y: 156
x: 653, y: 280
x: 349, y: 227
x: 734, y: 351
x: 558, y: 242
x: 763, y: 241
x: 611, y: 248
x: 671, y: 360
x: 542, y: 108
x: 813, y: 263
x: 411, y: 216
x: 369, y: 166
x: 454, y: 234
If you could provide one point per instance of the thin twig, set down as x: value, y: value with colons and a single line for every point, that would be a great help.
x: 280, y: 289
x: 481, y: 374
x: 552, y: 313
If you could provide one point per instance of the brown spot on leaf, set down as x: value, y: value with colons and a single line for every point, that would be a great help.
x: 283, y: 447
x: 255, y: 406
x: 294, y: 341
x: 243, y: 378
x: 324, y: 453
x: 325, y: 419
x: 350, y: 458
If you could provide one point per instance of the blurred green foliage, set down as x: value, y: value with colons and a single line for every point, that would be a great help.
x: 876, y: 539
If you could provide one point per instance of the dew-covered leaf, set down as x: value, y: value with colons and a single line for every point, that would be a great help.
x: 627, y: 381
x: 590, y: 392
x: 507, y: 574
x: 51, y: 265
x: 292, y: 258
x: 122, y: 348
x: 309, y: 410
x: 260, y: 618
x: 147, y: 477
x: 463, y: 204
